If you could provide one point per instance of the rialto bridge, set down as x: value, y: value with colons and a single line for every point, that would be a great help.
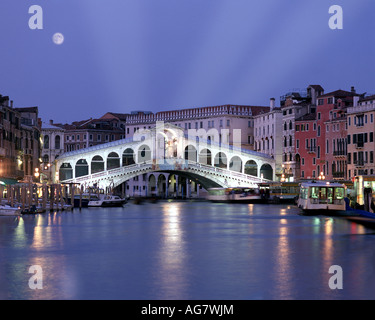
x: 165, y: 149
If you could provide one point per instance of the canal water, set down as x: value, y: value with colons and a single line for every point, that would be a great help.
x: 185, y: 251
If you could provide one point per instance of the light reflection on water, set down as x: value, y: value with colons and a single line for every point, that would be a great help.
x: 185, y: 250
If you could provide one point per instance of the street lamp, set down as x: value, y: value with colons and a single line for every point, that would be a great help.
x: 321, y: 176
x: 36, y: 173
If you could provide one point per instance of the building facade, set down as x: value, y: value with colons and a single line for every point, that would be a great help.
x: 295, y: 105
x: 268, y: 135
x: 360, y: 137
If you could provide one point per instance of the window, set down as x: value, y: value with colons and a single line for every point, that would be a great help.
x: 330, y: 100
x: 318, y: 133
x: 99, y: 137
x: 46, y: 141
x: 228, y: 123
x: 320, y: 102
x: 371, y: 137
x: 90, y: 136
x: 57, y: 142
x: 319, y: 115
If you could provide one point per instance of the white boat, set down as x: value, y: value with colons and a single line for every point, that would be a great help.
x: 238, y: 194
x: 107, y: 201
x: 321, y: 197
x: 6, y: 210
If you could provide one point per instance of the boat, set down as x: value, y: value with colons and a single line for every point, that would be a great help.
x: 6, y: 210
x: 236, y: 195
x: 107, y: 201
x: 84, y: 200
x: 320, y: 197
x: 275, y: 192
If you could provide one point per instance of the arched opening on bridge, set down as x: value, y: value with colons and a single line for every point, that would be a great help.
x: 82, y: 168
x: 113, y: 161
x: 162, y: 185
x: 221, y: 160
x: 65, y: 172
x: 235, y: 164
x: 152, y: 185
x: 128, y: 157
x: 191, y: 153
x: 251, y: 168
x: 266, y: 171
x: 97, y: 164
x: 205, y: 157
x: 144, y: 153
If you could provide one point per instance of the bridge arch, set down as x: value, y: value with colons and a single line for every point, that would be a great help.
x: 235, y: 164
x: 65, y: 171
x: 205, y: 157
x: 221, y: 160
x: 144, y: 153
x: 266, y: 171
x: 128, y: 157
x: 191, y: 153
x: 251, y: 168
x: 97, y: 164
x: 113, y: 161
x: 81, y: 168
x: 152, y: 184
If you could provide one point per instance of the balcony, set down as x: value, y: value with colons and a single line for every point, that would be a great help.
x: 338, y: 174
x: 359, y: 145
x: 364, y: 108
x: 359, y: 163
x: 311, y: 149
x: 340, y: 153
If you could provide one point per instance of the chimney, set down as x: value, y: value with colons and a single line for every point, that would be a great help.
x: 51, y: 122
x: 353, y: 90
x: 272, y: 104
x: 11, y: 103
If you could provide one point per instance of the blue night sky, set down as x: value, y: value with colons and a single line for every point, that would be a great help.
x: 125, y: 55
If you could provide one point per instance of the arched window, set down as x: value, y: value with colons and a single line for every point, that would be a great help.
x: 46, y: 142
x: 57, y: 142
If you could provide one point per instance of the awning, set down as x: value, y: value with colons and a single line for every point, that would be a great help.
x: 7, y: 181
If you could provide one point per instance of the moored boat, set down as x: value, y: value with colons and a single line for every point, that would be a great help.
x: 107, y: 201
x: 236, y: 195
x: 320, y: 197
x: 6, y: 210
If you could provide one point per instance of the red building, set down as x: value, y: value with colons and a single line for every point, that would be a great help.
x: 322, y: 137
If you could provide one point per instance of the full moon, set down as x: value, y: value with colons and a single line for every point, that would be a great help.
x: 58, y: 38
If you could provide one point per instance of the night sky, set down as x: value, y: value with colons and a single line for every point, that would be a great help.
x: 154, y: 55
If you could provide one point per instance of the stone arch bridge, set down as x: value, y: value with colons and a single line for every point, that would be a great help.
x: 165, y: 149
